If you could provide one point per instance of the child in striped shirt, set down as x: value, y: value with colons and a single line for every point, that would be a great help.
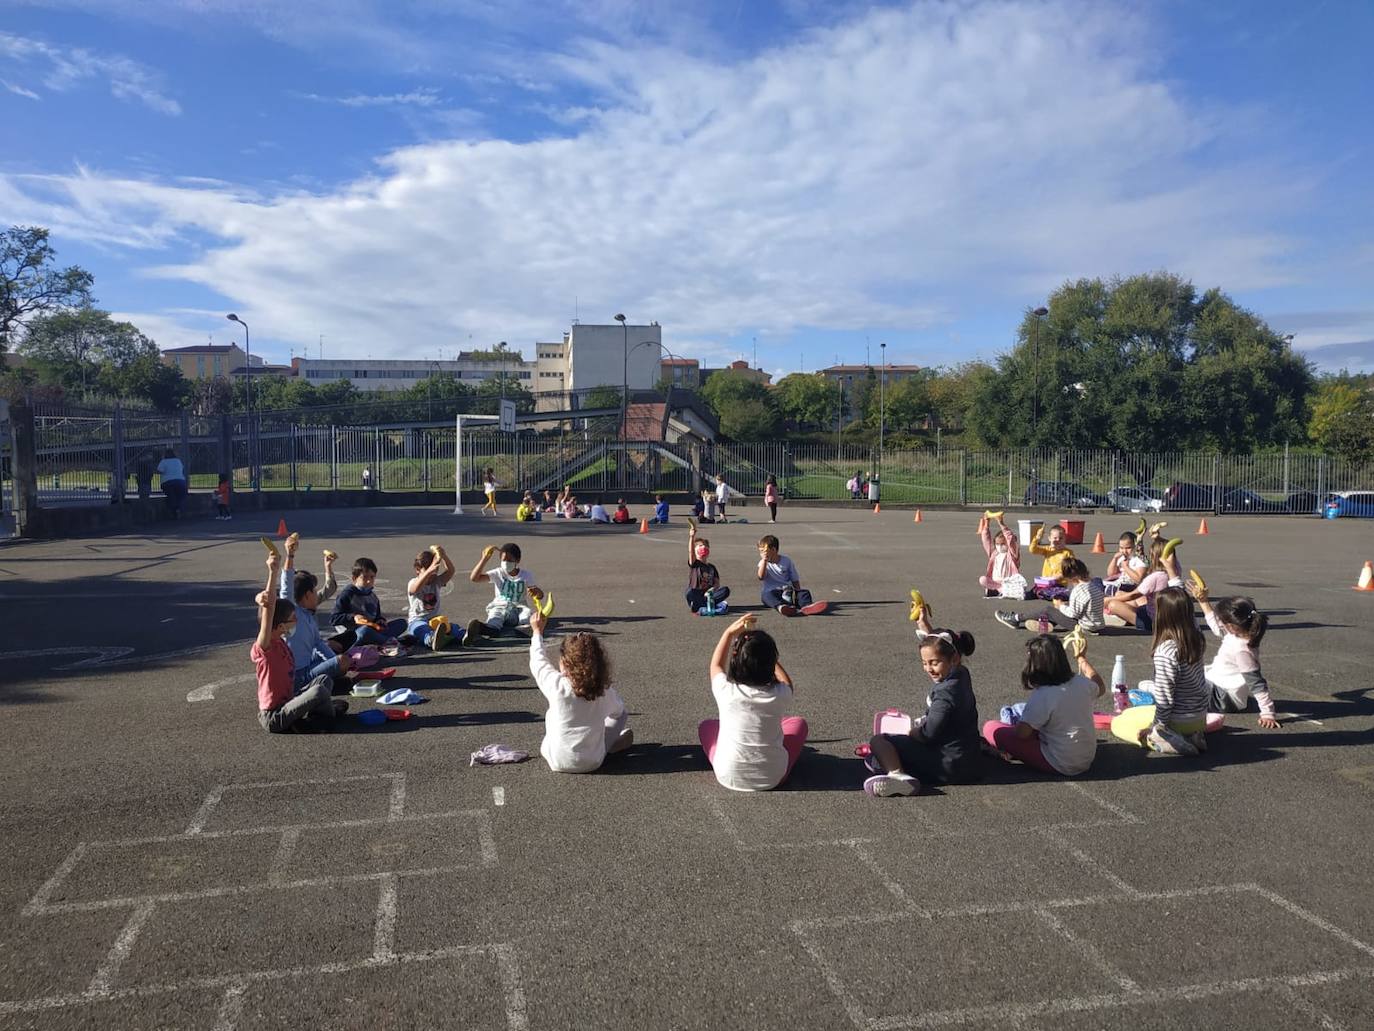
x: 1083, y: 609
x: 1179, y: 685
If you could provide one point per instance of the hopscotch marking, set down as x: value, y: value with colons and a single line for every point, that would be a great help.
x: 1127, y: 991
x: 234, y: 986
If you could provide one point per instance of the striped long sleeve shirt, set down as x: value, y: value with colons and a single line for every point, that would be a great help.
x: 1180, y: 688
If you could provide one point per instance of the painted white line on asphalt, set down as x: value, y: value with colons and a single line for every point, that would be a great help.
x: 498, y: 796
x: 206, y: 693
x: 103, y: 981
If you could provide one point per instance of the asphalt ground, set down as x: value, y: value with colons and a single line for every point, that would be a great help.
x: 168, y: 864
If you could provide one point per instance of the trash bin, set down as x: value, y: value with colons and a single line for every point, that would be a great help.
x: 1028, y: 529
x: 1073, y: 530
x: 873, y: 489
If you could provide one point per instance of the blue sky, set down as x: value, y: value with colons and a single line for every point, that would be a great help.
x: 412, y: 177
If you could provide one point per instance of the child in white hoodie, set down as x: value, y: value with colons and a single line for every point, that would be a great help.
x: 1234, y: 672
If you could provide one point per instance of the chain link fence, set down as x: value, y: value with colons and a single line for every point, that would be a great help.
x: 84, y: 456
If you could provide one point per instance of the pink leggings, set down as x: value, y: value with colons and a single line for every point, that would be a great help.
x: 794, y: 731
x: 1003, y: 737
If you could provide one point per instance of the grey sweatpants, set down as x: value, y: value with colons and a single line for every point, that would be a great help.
x: 316, y: 699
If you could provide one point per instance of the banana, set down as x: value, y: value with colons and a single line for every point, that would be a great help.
x: 989, y: 514
x: 918, y: 606
x: 271, y: 547
x: 293, y: 540
x: 1197, y: 580
x: 1140, y: 530
x: 1154, y: 530
x: 330, y: 555
x: 1170, y: 545
x: 545, y: 607
x: 1075, y: 644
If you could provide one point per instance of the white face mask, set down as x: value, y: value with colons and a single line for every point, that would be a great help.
x: 510, y: 568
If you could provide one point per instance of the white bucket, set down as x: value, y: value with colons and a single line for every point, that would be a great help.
x: 1028, y: 529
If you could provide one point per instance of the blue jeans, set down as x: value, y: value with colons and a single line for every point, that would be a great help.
x: 421, y: 631
x: 324, y: 668
x: 395, y: 628
x: 772, y: 597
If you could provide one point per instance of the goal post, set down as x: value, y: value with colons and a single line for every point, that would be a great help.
x: 458, y: 455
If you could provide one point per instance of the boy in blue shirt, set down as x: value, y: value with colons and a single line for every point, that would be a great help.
x: 660, y: 509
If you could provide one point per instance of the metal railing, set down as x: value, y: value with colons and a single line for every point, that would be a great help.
x: 84, y: 454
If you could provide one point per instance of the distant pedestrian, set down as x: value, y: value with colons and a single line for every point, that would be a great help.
x: 722, y: 497
x: 367, y: 477
x: 222, y: 497
x: 770, y: 498
x: 173, y: 475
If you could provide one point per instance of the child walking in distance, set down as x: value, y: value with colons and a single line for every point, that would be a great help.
x: 280, y: 707
x: 705, y: 595
x: 943, y: 746
x: 222, y: 497
x: 358, y: 608
x: 1055, y: 733
x: 433, y: 571
x: 1179, y: 685
x: 489, y: 486
x: 1055, y: 554
x: 1234, y: 674
x: 1003, y: 552
x: 586, y: 720
x: 516, y: 593
x: 782, y: 589
x: 752, y: 746
x: 770, y: 498
x: 1083, y: 609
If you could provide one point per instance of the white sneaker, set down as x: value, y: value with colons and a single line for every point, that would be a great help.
x: 1169, y: 742
x: 892, y: 785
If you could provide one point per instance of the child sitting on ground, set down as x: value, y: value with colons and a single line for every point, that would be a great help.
x: 1136, y: 606
x: 549, y: 504
x: 359, y: 609
x: 1083, y: 608
x: 622, y: 514
x: 527, y: 511
x: 699, y: 510
x: 1234, y: 674
x: 1126, y: 567
x: 705, y: 595
x: 586, y: 720
x: 1179, y: 685
x: 752, y: 746
x: 280, y: 707
x: 782, y: 589
x: 433, y: 571
x: 1003, y: 552
x: 598, y: 514
x: 1055, y: 555
x: 311, y: 655
x: 514, y: 589
x: 660, y: 509
x: 943, y: 746
x: 1055, y: 732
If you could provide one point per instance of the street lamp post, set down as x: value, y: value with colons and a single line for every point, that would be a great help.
x: 624, y: 393
x: 882, y: 407
x: 248, y: 374
x: 1039, y: 314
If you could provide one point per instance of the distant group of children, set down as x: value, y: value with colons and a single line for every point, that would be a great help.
x: 754, y: 742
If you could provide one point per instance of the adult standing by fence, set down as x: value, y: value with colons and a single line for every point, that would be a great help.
x: 173, y: 475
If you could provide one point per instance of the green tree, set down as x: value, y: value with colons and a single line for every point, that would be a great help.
x: 748, y: 419
x: 30, y: 283
x: 807, y: 399
x: 952, y: 391
x: 1343, y: 419
x: 906, y: 404
x: 728, y: 386
x: 87, y: 352
x: 1143, y: 364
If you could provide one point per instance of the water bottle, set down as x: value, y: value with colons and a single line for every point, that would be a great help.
x: 1120, y: 699
x: 710, y: 605
x: 1044, y: 623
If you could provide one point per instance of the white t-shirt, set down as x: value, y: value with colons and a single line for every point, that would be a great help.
x: 512, y: 590
x: 722, y: 493
x: 781, y: 573
x: 574, y: 728
x: 424, y: 605
x: 171, y: 469
x: 749, y: 752
x: 598, y: 514
x: 1063, y: 715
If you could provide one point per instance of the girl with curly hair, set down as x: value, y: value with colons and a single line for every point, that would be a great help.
x: 586, y: 720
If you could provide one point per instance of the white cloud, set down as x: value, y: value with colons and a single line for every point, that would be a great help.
x: 64, y: 69
x: 903, y: 167
x: 20, y: 90
x: 425, y: 96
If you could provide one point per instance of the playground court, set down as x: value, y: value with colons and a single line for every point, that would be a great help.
x: 167, y: 864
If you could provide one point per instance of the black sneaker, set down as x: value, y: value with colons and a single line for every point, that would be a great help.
x: 1010, y: 619
x: 476, y: 630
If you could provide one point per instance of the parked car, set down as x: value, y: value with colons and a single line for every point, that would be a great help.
x: 1240, y: 500
x: 1063, y: 494
x: 1305, y: 501
x: 1356, y: 503
x: 1135, y: 499
x: 1188, y: 497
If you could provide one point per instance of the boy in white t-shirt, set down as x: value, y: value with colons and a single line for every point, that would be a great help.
x: 433, y: 571
x: 781, y: 587
x: 514, y: 587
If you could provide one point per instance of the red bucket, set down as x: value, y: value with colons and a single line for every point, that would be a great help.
x: 1073, y: 530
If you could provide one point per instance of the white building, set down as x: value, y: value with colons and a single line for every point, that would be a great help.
x: 595, y: 356
x: 398, y: 374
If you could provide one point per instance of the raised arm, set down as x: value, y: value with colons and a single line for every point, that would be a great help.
x: 722, y: 653
x: 691, y: 545
x: 330, y: 585
x: 267, y: 602
x: 783, y: 677
x: 447, y: 573
x: 479, y: 571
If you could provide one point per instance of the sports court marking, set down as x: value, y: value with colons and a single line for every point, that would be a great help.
x: 103, y: 985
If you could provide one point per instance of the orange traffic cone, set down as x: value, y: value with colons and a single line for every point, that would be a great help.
x: 1366, y: 581
x: 877, y: 508
x: 281, y: 528
x: 1202, y: 528
x: 919, y: 518
x: 1098, y: 547
x: 644, y: 526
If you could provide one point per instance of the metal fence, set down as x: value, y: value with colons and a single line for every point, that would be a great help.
x: 83, y: 455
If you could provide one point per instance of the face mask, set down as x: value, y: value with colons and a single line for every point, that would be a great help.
x: 510, y: 568
x: 702, y: 553
x: 1002, y: 549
